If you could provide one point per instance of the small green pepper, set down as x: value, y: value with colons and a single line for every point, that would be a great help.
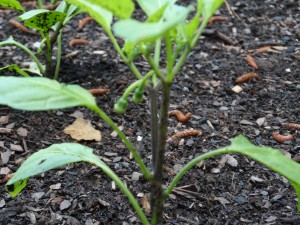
x: 120, y: 106
x: 138, y: 95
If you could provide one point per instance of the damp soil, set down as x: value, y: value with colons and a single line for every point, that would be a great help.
x: 244, y: 192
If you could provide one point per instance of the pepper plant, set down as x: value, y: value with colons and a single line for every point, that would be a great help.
x: 49, y: 24
x: 169, y: 33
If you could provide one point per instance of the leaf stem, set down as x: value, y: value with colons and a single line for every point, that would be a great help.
x: 27, y: 50
x: 129, y: 63
x: 121, y: 185
x: 128, y: 143
x: 170, y: 61
x: 191, y: 164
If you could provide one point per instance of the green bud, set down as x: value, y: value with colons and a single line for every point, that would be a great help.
x: 138, y: 95
x: 120, y: 106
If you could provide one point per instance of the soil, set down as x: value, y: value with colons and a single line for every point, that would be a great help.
x: 246, y: 193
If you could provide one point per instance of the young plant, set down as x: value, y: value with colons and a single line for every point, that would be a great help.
x: 166, y: 34
x: 44, y: 21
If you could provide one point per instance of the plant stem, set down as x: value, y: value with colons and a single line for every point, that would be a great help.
x: 59, y: 27
x: 58, y: 60
x: 154, y: 123
x: 193, y: 163
x: 122, y: 186
x: 128, y: 144
x: 154, y: 66
x: 40, y: 4
x: 49, y: 68
x: 27, y: 50
x: 157, y: 199
x: 169, y: 49
x: 157, y: 51
x: 129, y: 63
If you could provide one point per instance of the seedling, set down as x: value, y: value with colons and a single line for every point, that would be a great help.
x: 166, y: 33
x: 43, y: 21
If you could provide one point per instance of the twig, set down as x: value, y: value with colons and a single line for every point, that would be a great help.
x: 246, y: 77
x: 84, y: 21
x: 282, y: 138
x: 219, y: 35
x: 251, y: 61
x: 291, y: 125
x: 185, y: 133
x: 75, y: 42
x: 231, y: 11
x: 180, y: 116
x: 98, y: 91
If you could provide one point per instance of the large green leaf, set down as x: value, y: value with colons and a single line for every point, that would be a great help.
x: 62, y: 154
x: 134, y: 31
x: 42, y: 19
x: 101, y: 15
x: 120, y: 8
x: 12, y: 4
x: 39, y: 93
x: 55, y: 156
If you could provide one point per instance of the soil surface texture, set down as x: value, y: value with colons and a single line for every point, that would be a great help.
x: 223, y: 190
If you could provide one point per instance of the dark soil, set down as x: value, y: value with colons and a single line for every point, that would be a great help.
x: 246, y: 194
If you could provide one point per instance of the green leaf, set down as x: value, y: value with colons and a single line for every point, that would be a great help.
x: 39, y: 93
x: 209, y: 7
x: 46, y: 159
x: 157, y: 15
x: 192, y: 26
x: 42, y: 19
x: 12, y: 4
x: 61, y: 154
x: 151, y: 7
x: 120, y: 8
x: 13, y: 68
x: 101, y: 15
x: 134, y: 31
x: 271, y: 158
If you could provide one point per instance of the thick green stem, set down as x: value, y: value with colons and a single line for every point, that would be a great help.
x: 157, y: 199
x: 49, y: 68
x: 122, y: 186
x: 154, y: 123
x: 128, y: 144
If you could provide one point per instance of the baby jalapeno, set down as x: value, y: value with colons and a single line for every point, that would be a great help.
x: 120, y: 106
x: 138, y: 95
